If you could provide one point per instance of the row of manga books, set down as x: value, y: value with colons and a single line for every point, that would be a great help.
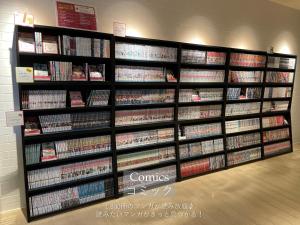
x: 235, y: 158
x: 203, y: 57
x: 43, y: 99
x: 126, y: 73
x: 279, y: 77
x: 271, y: 106
x: 242, y: 108
x: 145, y: 158
x: 201, y: 166
x: 277, y: 148
x: 245, y: 76
x: 281, y: 62
x: 51, y: 99
x: 273, y: 135
x: 144, y: 96
x: 127, y: 184
x: 36, y: 153
x: 67, y: 71
x: 82, y: 46
x: 74, y: 171
x: 199, y: 112
x: 201, y: 75
x: 242, y: 140
x: 143, y: 138
x: 145, y: 52
x: 70, y: 197
x: 243, y: 93
x: 143, y: 116
x: 234, y: 126
x: 65, y: 122
x: 199, y: 131
x: 201, y: 148
x: 40, y: 43
x: 199, y: 95
x: 247, y: 60
x: 277, y: 92
x: 273, y: 121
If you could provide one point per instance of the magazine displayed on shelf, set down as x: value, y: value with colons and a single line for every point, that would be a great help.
x: 50, y: 44
x: 96, y: 72
x: 76, y: 99
x: 98, y: 98
x: 40, y: 72
x: 31, y: 126
x: 26, y: 42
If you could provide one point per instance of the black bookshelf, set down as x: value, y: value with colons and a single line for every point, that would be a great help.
x: 27, y: 59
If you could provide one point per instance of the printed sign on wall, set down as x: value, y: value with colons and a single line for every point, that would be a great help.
x: 76, y: 16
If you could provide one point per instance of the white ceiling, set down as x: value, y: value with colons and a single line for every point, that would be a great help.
x: 295, y: 4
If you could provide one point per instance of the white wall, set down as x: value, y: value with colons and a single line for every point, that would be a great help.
x: 252, y: 24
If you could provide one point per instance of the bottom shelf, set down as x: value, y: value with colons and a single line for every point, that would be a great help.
x: 54, y: 202
x: 62, y: 200
x: 238, y: 158
x: 277, y: 148
x: 198, y: 167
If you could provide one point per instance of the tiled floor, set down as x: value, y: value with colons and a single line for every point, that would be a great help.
x: 262, y: 193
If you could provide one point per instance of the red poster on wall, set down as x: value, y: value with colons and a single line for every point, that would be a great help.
x: 76, y: 16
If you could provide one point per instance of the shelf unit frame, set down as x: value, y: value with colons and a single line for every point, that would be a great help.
x: 26, y: 59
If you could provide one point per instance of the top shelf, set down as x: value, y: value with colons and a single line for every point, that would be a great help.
x: 62, y: 57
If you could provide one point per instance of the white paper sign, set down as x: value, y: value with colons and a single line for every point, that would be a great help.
x: 14, y: 118
x: 24, y: 19
x: 119, y: 29
x: 24, y: 74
